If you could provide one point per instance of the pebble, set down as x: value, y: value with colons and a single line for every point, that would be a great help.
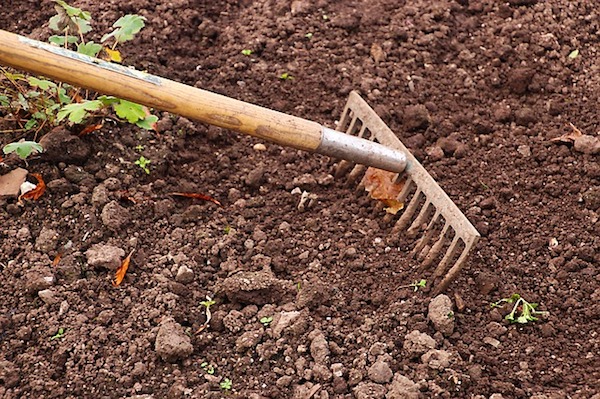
x: 587, y: 144
x: 403, y: 388
x: 416, y: 343
x: 380, y: 372
x: 114, y: 216
x: 435, y: 153
x: 259, y: 147
x: 105, y: 256
x: 172, y: 343
x: 255, y: 177
x: 47, y: 240
x: 319, y: 348
x: 437, y: 359
x: 36, y: 281
x: 48, y: 296
x: 524, y: 150
x: 185, y: 275
x: 441, y: 314
x: 491, y: 342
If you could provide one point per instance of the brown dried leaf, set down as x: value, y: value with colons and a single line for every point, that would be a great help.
x: 122, y: 270
x: 381, y: 185
x: 37, y: 192
x: 89, y: 129
x: 56, y: 259
x: 198, y: 196
x: 569, y: 138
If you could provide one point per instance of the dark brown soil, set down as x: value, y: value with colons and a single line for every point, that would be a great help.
x: 476, y: 89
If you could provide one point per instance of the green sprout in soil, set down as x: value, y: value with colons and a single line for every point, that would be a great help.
x: 286, y: 76
x: 226, y: 384
x: 416, y: 285
x: 309, y: 35
x: 23, y: 148
x: 207, y: 304
x: 144, y: 163
x: 266, y: 321
x: 209, y: 368
x: 246, y: 52
x: 139, y: 148
x: 522, y: 312
x: 58, y: 335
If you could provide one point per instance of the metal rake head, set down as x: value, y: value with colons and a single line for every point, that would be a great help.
x: 447, y: 234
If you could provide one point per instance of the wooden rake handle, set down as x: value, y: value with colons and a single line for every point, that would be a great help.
x: 80, y: 70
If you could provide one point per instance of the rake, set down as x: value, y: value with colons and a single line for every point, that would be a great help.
x: 366, y: 142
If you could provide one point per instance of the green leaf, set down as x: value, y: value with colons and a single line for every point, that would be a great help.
x: 22, y: 101
x: 108, y: 100
x: 574, y: 54
x: 90, y: 48
x: 39, y: 116
x: 23, y: 149
x: 77, y: 112
x: 126, y: 27
x: 60, y: 40
x: 62, y: 96
x: 246, y: 52
x: 30, y: 124
x: 148, y: 122
x: 131, y: 111
x: 42, y: 84
x: 4, y: 101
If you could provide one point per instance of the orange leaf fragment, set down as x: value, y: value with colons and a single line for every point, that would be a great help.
x: 89, y: 129
x: 198, y: 196
x: 37, y: 192
x: 381, y: 185
x: 56, y: 259
x: 113, y: 55
x: 120, y: 273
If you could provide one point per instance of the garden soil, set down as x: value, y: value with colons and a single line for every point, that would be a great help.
x: 314, y: 301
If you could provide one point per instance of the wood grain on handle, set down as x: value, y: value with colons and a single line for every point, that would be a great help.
x: 163, y: 94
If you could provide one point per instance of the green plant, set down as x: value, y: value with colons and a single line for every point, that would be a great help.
x: 286, y: 76
x: 247, y: 52
x: 266, y: 321
x: 207, y: 304
x: 416, y: 284
x: 23, y: 148
x: 208, y: 368
x: 144, y: 163
x: 226, y: 384
x: 522, y: 312
x: 58, y: 335
x: 309, y: 35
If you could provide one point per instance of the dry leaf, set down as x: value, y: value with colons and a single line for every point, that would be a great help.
x: 197, y: 196
x: 113, y: 55
x: 122, y: 270
x: 569, y: 137
x: 89, y: 129
x: 56, y: 259
x: 37, y: 192
x: 381, y: 185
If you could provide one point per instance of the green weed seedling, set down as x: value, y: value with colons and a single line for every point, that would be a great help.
x: 522, y: 312
x: 286, y: 76
x: 416, y: 285
x: 58, y: 335
x: 247, y: 52
x: 23, y: 148
x: 226, y: 384
x: 266, y: 321
x: 144, y: 163
x: 209, y: 368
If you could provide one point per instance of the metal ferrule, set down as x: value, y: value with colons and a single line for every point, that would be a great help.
x: 358, y: 150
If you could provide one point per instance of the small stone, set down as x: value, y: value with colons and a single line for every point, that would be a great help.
x: 380, y: 372
x: 255, y: 177
x: 437, y: 359
x: 416, y: 117
x: 259, y: 147
x: 369, y: 390
x: 10, y: 183
x: 114, y: 216
x: 47, y: 240
x: 377, y: 53
x: 587, y: 144
x: 305, y: 181
x: 185, y: 275
x: 524, y: 150
x: 105, y: 256
x: 172, y: 343
x: 496, y: 329
x: 491, y: 342
x: 435, y: 153
x: 402, y: 388
x: 48, y: 296
x: 416, y: 343
x: 525, y: 116
x: 76, y: 174
x: 319, y: 348
x: 441, y: 314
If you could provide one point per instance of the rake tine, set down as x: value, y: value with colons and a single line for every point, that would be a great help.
x: 435, y: 249
x: 410, y: 210
x: 450, y: 252
x: 427, y: 235
x: 419, y: 220
x: 453, y: 272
